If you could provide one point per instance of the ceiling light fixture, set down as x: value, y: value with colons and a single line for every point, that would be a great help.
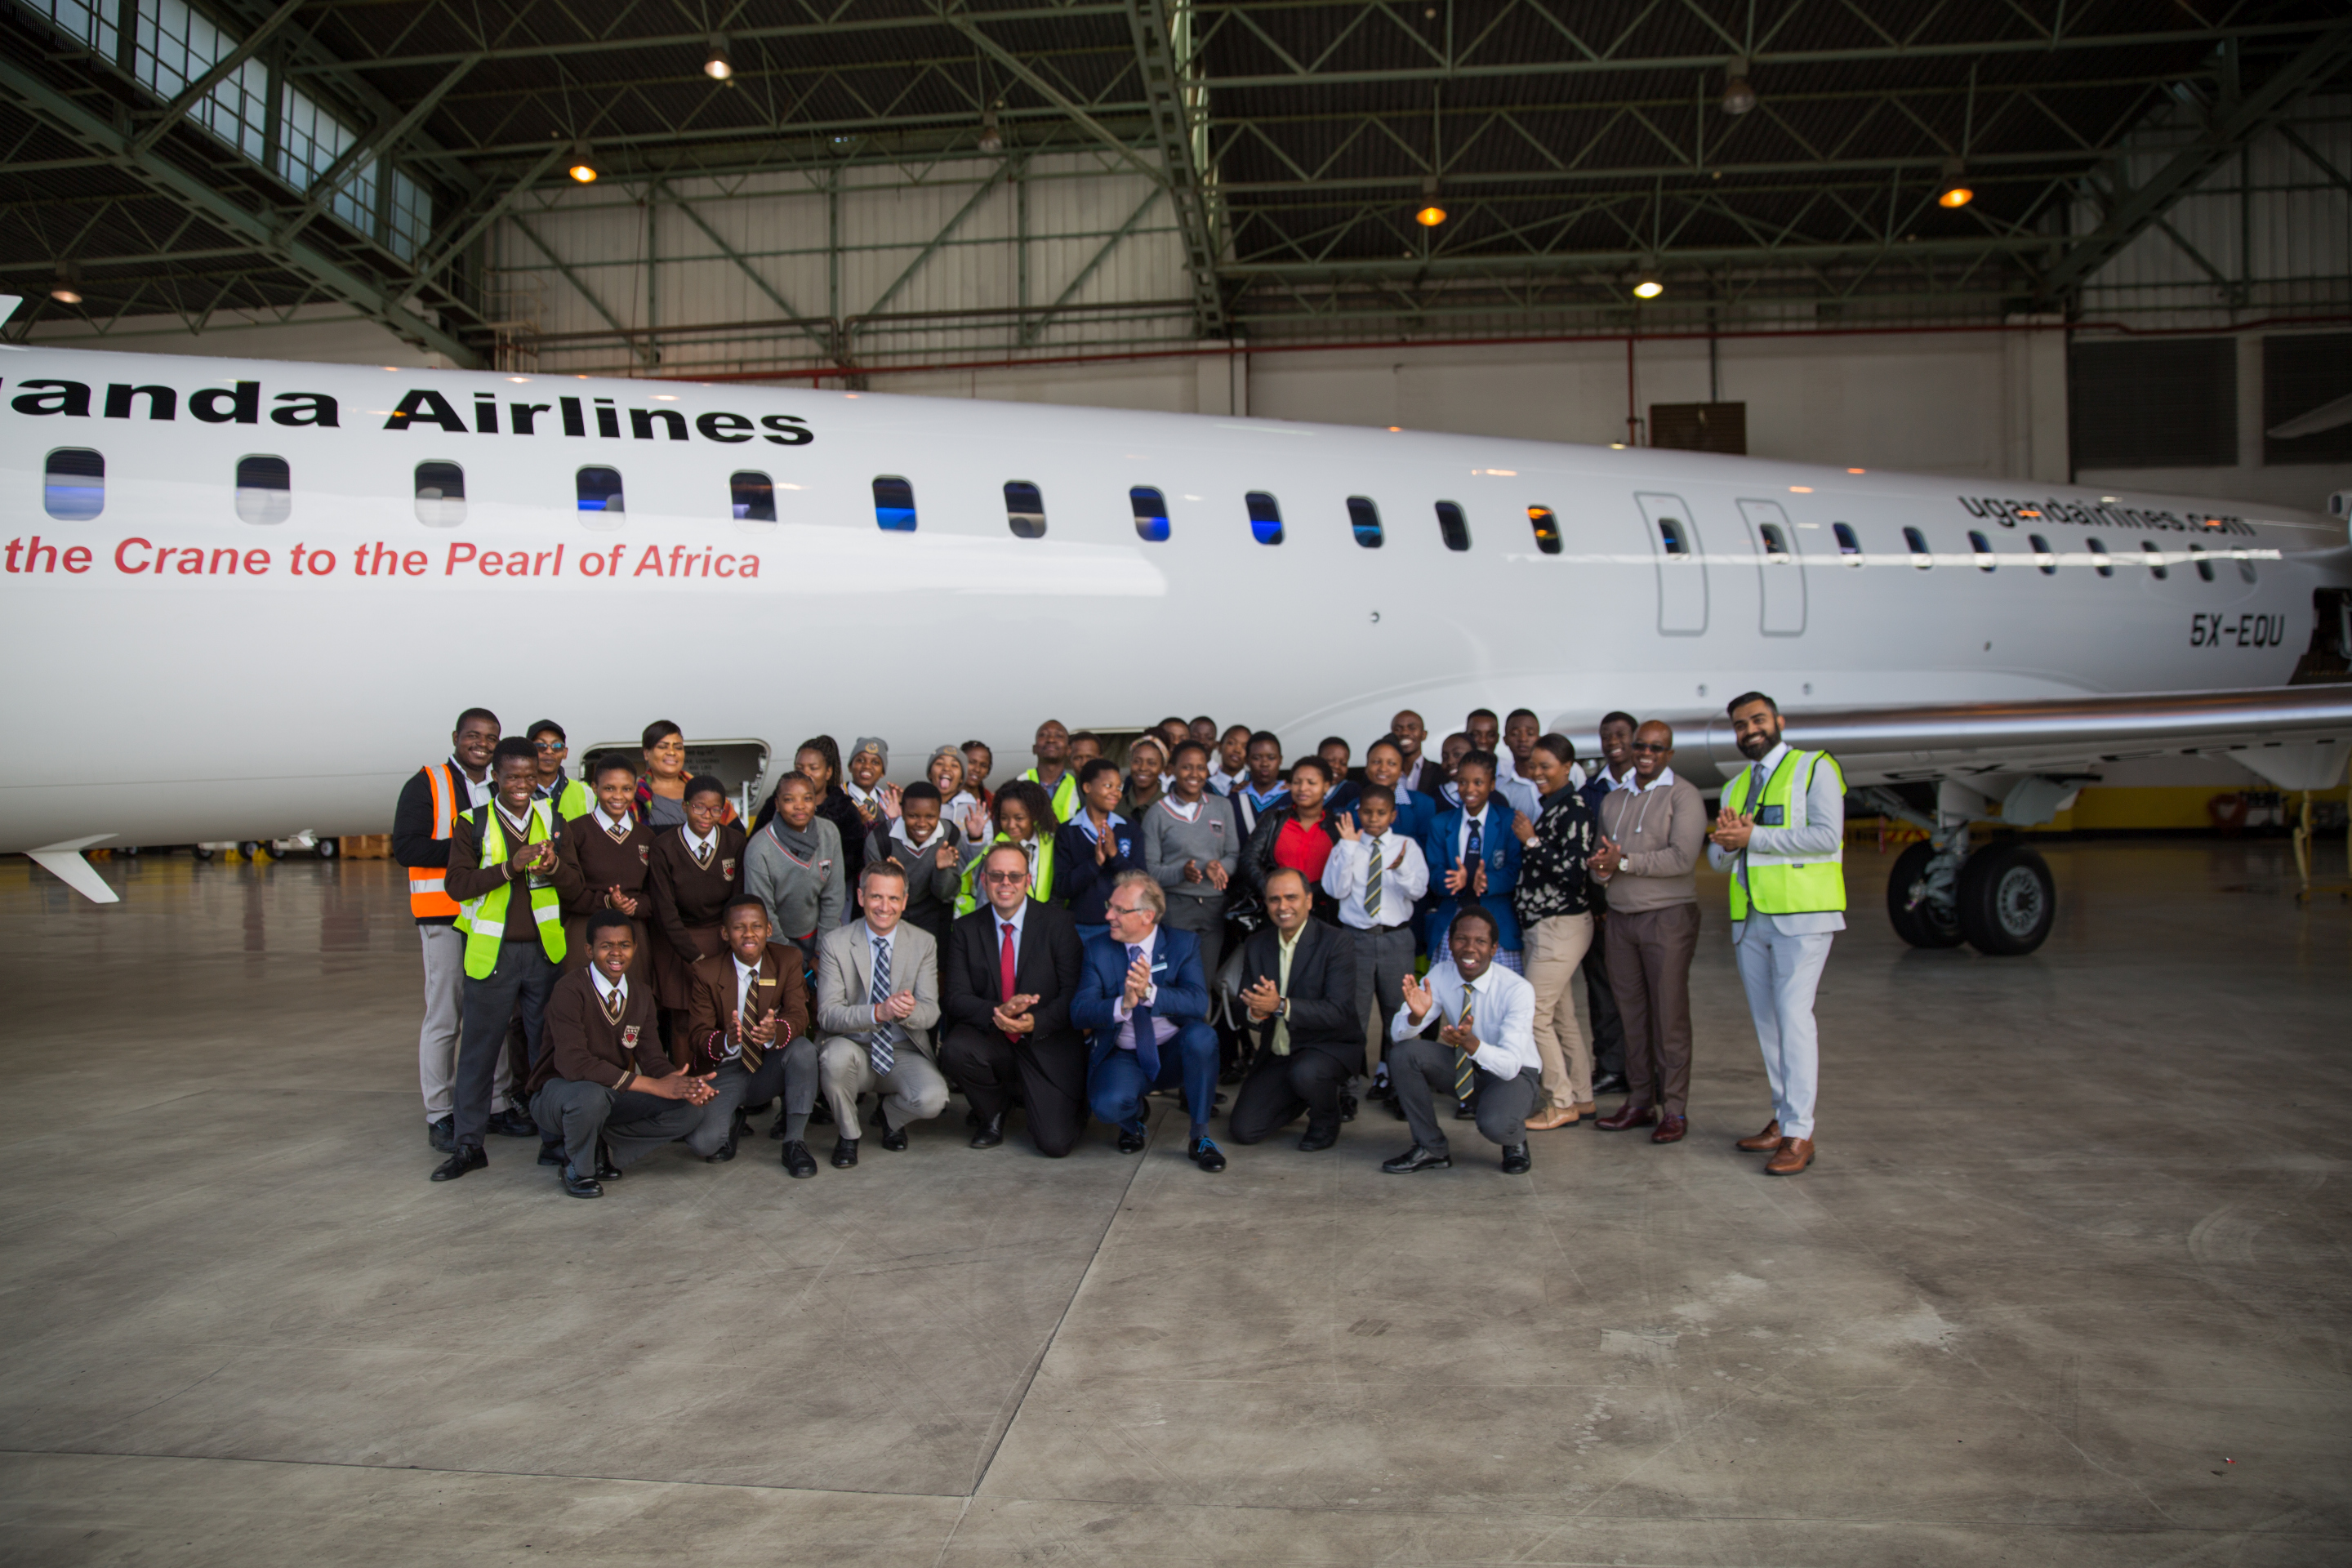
x: 64, y: 290
x: 584, y: 165
x: 1647, y: 285
x: 991, y: 136
x: 1431, y: 214
x: 717, y: 65
x: 1738, y: 97
x: 1955, y: 191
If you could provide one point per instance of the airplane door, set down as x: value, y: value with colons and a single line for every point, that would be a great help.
x: 1778, y: 566
x: 1681, y: 563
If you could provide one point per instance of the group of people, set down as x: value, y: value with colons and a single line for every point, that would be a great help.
x: 615, y: 960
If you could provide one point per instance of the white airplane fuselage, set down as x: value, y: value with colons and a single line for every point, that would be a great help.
x: 181, y: 674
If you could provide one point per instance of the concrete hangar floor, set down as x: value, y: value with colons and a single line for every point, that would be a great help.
x: 2069, y: 1284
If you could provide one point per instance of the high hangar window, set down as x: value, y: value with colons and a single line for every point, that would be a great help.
x: 440, y: 495
x: 1453, y: 526
x: 73, y: 488
x: 1150, y: 515
x: 1365, y: 518
x: 265, y: 490
x: 1266, y: 518
x: 894, y: 504
x: 603, y: 502
x: 1547, y: 529
x: 752, y: 497
x: 1024, y: 509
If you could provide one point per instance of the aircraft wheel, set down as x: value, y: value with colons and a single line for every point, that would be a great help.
x: 1923, y: 925
x: 2008, y: 901
x: 201, y: 853
x: 327, y: 848
x: 249, y: 847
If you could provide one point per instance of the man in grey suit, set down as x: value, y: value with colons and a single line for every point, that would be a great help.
x: 877, y: 1001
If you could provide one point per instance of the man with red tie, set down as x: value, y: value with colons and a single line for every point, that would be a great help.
x: 1012, y: 966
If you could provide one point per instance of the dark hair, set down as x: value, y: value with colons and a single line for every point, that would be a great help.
x: 1096, y: 767
x: 1174, y: 718
x: 1227, y: 732
x: 613, y: 761
x: 605, y: 920
x: 1077, y: 735
x: 1321, y: 768
x: 475, y: 713
x: 514, y: 746
x: 1745, y: 698
x: 1523, y: 713
x: 705, y: 783
x: 1185, y: 746
x: 1371, y: 792
x: 657, y: 732
x: 789, y: 779
x: 978, y: 746
x: 1339, y: 740
x: 1477, y: 912
x: 746, y: 902
x: 1561, y: 748
x: 547, y: 727
x: 1031, y: 797
x: 921, y: 789
x: 1476, y: 759
x: 1303, y: 886
x: 1391, y: 741
x: 1618, y: 717
x: 824, y: 746
x: 1268, y: 736
x: 1478, y: 714
x: 1202, y: 719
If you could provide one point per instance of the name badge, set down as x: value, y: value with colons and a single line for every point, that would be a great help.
x: 1773, y: 816
x: 765, y: 982
x: 629, y: 1035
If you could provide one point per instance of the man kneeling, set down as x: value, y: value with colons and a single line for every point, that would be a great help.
x: 604, y: 1081
x: 877, y: 1001
x: 1483, y: 1048
x: 1145, y: 1001
x: 746, y: 1024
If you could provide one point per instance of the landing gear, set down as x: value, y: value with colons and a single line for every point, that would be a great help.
x: 249, y: 847
x: 2000, y: 899
x: 1922, y: 912
x: 327, y: 848
x: 2007, y: 900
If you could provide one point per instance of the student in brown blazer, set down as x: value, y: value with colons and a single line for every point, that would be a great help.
x: 694, y: 870
x: 747, y: 1020
x: 612, y: 850
x: 604, y: 1082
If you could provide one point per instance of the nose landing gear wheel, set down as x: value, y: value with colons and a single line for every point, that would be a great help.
x: 327, y: 848
x: 1923, y: 923
x: 2008, y: 901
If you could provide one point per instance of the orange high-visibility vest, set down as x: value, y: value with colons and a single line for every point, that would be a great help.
x: 425, y: 899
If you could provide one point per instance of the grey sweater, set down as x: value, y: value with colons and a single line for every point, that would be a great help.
x: 804, y: 899
x: 1661, y: 829
x: 1169, y: 841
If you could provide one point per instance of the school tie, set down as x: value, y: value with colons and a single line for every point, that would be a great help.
x: 1005, y: 960
x: 1475, y: 849
x: 1147, y: 1040
x: 878, y: 1047
x: 1464, y: 1073
x: 1372, y: 881
x: 615, y: 1005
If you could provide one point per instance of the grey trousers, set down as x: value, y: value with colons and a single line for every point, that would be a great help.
x: 1423, y: 1072
x: 1383, y: 958
x: 791, y: 1072
x: 912, y: 1090
x: 444, y: 1006
x: 1205, y: 918
x: 630, y: 1124
x: 523, y: 976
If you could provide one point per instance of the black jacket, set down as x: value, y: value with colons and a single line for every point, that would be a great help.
x: 1323, y: 1015
x: 1048, y: 965
x: 413, y: 843
x: 1081, y: 886
x: 1258, y: 859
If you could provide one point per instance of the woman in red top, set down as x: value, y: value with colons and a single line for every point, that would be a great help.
x: 1297, y: 833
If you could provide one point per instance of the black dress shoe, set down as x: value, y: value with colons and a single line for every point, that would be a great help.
x: 1515, y: 1160
x: 894, y: 1139
x: 1318, y: 1140
x: 845, y: 1153
x: 1609, y: 1083
x: 991, y: 1133
x: 579, y: 1186
x: 1347, y: 1108
x: 460, y: 1162
x: 821, y: 1113
x: 1133, y: 1143
x: 1417, y: 1159
x: 777, y: 1128
x: 1381, y: 1092
x: 725, y: 1153
x: 799, y: 1163
x: 1206, y: 1155
x: 606, y: 1170
x: 552, y: 1154
x: 1463, y: 1112
x: 443, y: 1135
x: 513, y: 1123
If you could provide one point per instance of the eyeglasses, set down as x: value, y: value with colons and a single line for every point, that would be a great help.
x: 1115, y: 909
x: 1005, y: 877
x: 551, y: 745
x: 1648, y: 746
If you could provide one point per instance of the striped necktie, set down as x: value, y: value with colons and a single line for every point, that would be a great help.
x: 878, y: 1047
x: 1464, y: 1072
x: 1373, y: 881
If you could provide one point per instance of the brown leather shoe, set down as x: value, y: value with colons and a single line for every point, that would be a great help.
x: 1587, y: 1109
x: 1764, y: 1142
x: 1551, y: 1116
x: 1630, y: 1114
x: 1671, y: 1130
x: 1794, y: 1156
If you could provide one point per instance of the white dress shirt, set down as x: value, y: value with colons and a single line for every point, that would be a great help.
x: 1223, y: 782
x: 608, y: 989
x: 478, y: 791
x: 1162, y: 1029
x: 702, y: 847
x: 617, y: 829
x: 1346, y: 872
x: 1488, y: 827
x: 746, y: 976
x: 1504, y: 1018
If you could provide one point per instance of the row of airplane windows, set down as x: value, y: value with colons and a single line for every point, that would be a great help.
x: 74, y: 489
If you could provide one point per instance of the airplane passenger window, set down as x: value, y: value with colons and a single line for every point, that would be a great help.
x: 1669, y: 534
x: 2043, y: 561
x: 894, y: 504
x: 265, y: 490
x: 1150, y: 515
x: 2245, y: 569
x: 602, y: 503
x: 752, y: 497
x: 1776, y: 544
x: 2103, y: 569
x: 2155, y: 552
x: 1025, y: 508
x: 1453, y: 525
x: 1365, y: 518
x: 1266, y: 518
x: 440, y: 495
x: 74, y: 488
x: 1921, y: 556
x: 2204, y: 567
x: 1983, y: 547
x: 1849, y: 546
x: 1547, y: 526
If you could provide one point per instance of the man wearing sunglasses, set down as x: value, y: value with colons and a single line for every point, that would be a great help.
x: 1012, y: 967
x: 571, y: 795
x: 1653, y: 826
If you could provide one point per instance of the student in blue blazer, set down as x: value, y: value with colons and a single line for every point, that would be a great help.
x: 1145, y: 1001
x: 1473, y: 855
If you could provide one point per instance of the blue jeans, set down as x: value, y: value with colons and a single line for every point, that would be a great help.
x: 1115, y: 1089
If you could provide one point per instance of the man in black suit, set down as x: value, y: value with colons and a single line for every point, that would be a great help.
x: 1299, y: 982
x: 1012, y: 967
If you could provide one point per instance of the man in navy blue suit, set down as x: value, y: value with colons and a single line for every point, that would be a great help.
x: 1144, y: 997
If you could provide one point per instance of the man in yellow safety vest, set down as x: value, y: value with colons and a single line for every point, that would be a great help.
x: 572, y: 796
x: 512, y: 945
x: 1780, y: 832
